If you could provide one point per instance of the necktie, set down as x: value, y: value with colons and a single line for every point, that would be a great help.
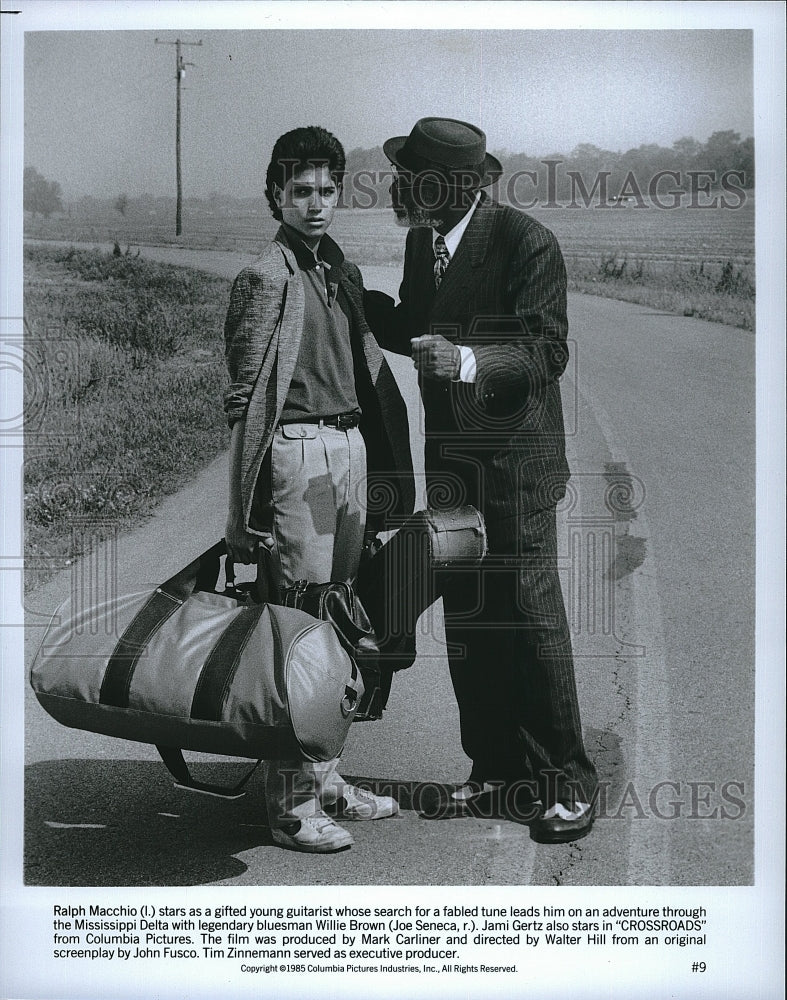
x: 442, y: 259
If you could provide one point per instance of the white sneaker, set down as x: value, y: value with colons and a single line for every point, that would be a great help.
x: 359, y: 803
x: 316, y: 834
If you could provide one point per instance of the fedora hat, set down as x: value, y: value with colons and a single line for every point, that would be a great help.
x: 446, y: 146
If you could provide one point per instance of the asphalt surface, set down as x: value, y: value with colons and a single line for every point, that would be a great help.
x: 657, y: 562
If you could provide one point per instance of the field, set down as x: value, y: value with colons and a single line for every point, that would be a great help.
x: 692, y: 261
x: 124, y: 377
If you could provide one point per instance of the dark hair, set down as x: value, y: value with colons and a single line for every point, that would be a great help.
x: 298, y: 150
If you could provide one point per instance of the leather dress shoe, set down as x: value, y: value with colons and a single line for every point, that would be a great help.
x: 471, y: 790
x: 560, y: 825
x: 471, y: 800
x: 474, y: 798
x: 509, y: 798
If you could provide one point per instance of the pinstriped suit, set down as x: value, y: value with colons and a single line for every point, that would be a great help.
x: 499, y: 443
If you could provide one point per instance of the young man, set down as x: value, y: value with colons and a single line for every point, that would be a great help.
x: 483, y: 314
x: 311, y: 403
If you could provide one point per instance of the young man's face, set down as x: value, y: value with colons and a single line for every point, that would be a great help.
x: 308, y: 202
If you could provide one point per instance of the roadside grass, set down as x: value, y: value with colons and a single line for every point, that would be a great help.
x: 123, y: 380
x: 719, y: 292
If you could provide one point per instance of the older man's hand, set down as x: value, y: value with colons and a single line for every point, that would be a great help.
x: 435, y: 357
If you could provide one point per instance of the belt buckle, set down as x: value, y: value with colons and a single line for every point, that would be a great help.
x: 345, y: 421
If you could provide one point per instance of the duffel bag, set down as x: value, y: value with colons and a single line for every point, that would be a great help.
x: 185, y: 667
x: 400, y: 581
x: 338, y: 604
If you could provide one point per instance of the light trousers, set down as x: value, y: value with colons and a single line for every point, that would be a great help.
x: 318, y: 489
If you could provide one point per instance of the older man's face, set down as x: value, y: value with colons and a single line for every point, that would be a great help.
x: 418, y: 200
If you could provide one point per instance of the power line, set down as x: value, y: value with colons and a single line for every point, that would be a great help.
x: 180, y: 72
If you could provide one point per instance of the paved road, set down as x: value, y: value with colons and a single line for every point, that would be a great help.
x: 657, y: 544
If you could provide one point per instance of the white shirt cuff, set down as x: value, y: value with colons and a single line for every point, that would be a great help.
x: 467, y: 367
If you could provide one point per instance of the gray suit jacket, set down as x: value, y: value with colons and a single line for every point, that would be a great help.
x: 262, y: 335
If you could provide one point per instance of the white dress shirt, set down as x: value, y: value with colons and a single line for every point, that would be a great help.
x: 467, y: 368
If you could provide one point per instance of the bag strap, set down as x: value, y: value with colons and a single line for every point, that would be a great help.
x: 201, y: 574
x: 210, y: 693
x: 121, y: 665
x: 177, y: 767
x: 268, y: 590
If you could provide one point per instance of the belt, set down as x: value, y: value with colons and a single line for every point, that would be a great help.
x: 342, y: 421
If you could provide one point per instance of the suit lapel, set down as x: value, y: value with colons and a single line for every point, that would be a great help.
x: 470, y: 254
x: 420, y: 278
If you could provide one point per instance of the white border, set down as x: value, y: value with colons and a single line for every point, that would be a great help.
x: 753, y: 923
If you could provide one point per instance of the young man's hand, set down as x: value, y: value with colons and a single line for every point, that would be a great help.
x: 242, y: 544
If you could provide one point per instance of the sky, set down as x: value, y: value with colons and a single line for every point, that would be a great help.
x: 99, y: 106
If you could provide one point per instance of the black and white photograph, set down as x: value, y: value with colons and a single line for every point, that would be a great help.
x: 393, y: 499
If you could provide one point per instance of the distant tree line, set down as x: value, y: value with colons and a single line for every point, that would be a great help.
x: 40, y: 196
x: 562, y: 175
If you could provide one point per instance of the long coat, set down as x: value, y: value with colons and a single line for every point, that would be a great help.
x: 262, y: 335
x: 498, y: 443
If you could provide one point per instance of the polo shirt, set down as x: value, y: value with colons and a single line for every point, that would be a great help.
x: 323, y: 382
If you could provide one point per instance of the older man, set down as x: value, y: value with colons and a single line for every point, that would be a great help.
x: 483, y: 314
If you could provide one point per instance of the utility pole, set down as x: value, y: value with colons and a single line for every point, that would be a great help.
x: 180, y: 72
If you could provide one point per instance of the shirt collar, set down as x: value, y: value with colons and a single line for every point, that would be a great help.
x: 453, y: 237
x: 328, y: 253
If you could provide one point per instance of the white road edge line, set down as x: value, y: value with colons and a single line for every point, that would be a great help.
x: 648, y: 839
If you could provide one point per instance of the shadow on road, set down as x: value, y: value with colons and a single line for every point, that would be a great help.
x: 110, y: 823
x: 122, y: 823
x: 99, y: 823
